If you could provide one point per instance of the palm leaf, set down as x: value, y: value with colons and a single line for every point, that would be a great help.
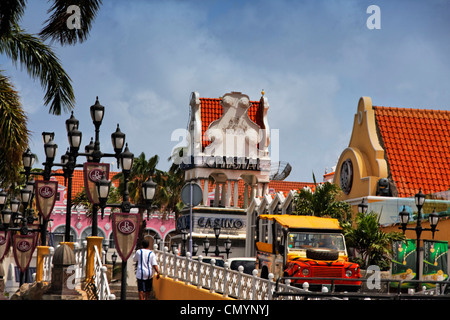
x: 14, y: 134
x: 42, y: 64
x: 10, y: 13
x: 56, y: 27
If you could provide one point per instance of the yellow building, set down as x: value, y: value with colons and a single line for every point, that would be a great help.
x: 392, y: 154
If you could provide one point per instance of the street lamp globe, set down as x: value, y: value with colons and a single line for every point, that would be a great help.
x: 28, y: 159
x: 97, y: 112
x: 126, y: 159
x: 103, y: 185
x: 25, y: 196
x: 420, y: 199
x: 433, y: 218
x: 6, y: 215
x: 227, y: 244
x: 404, y: 217
x: 14, y: 203
x: 50, y: 150
x: 148, y: 189
x: 65, y: 158
x: 3, y: 197
x: 118, y: 140
x: 30, y: 185
x: 89, y: 149
x: 363, y: 207
x: 71, y: 123
x: 48, y: 136
x: 74, y: 137
x: 217, y: 231
x: 206, y: 244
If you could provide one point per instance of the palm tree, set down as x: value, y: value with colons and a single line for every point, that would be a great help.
x: 141, y: 171
x: 323, y: 202
x: 31, y: 53
x: 169, y: 194
x: 373, y: 245
x: 13, y: 132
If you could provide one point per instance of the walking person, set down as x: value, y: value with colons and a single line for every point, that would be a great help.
x: 146, y: 266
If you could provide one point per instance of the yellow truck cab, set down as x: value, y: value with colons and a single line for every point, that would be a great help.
x: 304, y: 247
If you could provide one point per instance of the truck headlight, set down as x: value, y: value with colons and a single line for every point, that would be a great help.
x: 348, y: 273
x: 305, y: 272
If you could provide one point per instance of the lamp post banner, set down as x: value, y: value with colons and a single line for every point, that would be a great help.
x: 92, y: 173
x: 46, y: 196
x: 403, y: 266
x: 23, y: 248
x: 4, y: 244
x: 126, y: 231
x: 435, y: 265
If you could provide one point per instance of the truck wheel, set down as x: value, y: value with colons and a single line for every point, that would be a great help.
x: 322, y: 254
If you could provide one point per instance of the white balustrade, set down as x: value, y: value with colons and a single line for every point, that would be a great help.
x: 222, y: 280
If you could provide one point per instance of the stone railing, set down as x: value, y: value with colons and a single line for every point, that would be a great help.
x: 222, y: 280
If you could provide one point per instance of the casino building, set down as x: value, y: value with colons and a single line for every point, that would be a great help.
x: 228, y: 157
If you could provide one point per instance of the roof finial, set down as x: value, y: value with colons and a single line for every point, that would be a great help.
x: 262, y: 92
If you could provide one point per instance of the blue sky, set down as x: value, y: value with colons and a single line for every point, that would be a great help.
x: 314, y: 59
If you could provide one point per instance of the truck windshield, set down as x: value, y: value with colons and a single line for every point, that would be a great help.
x: 300, y: 240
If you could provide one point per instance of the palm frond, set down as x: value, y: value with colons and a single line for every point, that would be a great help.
x: 14, y: 134
x: 10, y: 13
x: 56, y: 27
x: 41, y: 63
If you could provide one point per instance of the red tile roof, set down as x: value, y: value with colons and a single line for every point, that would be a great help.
x: 417, y: 146
x: 211, y: 110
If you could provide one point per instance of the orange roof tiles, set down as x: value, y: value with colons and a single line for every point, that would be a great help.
x: 211, y: 110
x: 417, y: 146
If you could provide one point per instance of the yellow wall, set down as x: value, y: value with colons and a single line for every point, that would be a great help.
x: 365, y: 152
x: 169, y: 289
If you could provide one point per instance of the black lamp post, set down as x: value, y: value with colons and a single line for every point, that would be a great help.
x: 433, y: 220
x: 217, y: 252
x: 148, y: 191
x: 184, y: 236
x: 363, y: 207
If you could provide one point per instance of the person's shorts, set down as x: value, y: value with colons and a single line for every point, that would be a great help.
x: 145, y: 285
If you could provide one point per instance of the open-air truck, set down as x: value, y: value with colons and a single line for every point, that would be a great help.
x: 305, y: 247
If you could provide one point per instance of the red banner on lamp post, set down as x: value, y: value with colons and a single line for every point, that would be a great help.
x: 46, y: 196
x: 23, y: 247
x: 92, y: 173
x: 126, y: 231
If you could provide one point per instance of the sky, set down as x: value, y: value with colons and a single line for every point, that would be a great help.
x: 313, y: 59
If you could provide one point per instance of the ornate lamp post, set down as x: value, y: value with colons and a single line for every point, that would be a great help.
x: 363, y: 207
x: 433, y: 220
x: 217, y: 252
x: 148, y: 191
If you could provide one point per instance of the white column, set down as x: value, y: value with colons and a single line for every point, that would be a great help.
x: 216, y: 195
x: 236, y: 194
x: 228, y: 199
x: 224, y: 195
x: 205, y: 192
x: 246, y: 195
